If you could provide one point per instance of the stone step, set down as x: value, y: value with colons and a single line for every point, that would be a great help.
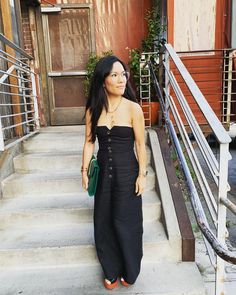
x: 54, y: 142
x: 61, y: 209
x: 63, y: 129
x: 164, y: 278
x: 70, y: 244
x: 76, y: 129
x: 41, y: 184
x: 43, y: 162
x: 57, y: 142
x: 56, y: 161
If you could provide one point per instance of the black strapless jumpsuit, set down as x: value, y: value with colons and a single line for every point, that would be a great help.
x: 118, y: 220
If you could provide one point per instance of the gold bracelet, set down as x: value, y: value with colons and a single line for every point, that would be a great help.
x: 83, y: 169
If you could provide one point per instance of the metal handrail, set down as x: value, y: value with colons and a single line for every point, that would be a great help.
x: 19, y: 117
x: 224, y: 59
x: 215, y: 243
x: 198, y: 209
x: 12, y: 58
x: 218, y: 129
x: 15, y: 86
x: 205, y: 50
x: 12, y: 75
x: 15, y: 47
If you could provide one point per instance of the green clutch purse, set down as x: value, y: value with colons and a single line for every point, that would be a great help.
x: 93, y: 171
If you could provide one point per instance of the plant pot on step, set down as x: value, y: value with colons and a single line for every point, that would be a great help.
x: 154, y: 106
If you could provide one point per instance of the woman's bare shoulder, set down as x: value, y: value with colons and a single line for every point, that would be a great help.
x: 133, y: 106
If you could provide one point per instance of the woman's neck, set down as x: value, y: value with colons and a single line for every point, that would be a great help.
x: 113, y: 99
x: 114, y: 105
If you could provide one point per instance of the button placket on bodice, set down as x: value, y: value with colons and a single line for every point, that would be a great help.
x: 109, y: 153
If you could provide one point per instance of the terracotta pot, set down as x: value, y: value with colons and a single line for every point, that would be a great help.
x: 154, y: 112
x: 145, y: 113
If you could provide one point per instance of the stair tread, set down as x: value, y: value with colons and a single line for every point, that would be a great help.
x: 61, y: 135
x: 166, y: 278
x: 58, y: 141
x: 62, y: 129
x: 61, y: 202
x: 52, y: 175
x: 29, y: 155
x: 61, y: 255
x: 52, y: 154
x: 67, y: 235
x: 54, y: 143
x: 41, y: 184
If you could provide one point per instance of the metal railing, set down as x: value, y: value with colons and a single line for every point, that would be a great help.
x: 172, y: 103
x: 19, y: 116
x: 228, y: 93
x: 214, y: 74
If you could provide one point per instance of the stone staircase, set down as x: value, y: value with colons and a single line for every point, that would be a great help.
x: 46, y: 227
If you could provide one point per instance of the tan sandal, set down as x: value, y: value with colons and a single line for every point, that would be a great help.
x: 124, y: 283
x: 110, y: 285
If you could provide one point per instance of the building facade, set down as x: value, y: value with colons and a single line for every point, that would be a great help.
x: 60, y: 35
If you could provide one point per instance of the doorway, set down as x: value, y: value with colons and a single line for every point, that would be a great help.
x: 68, y: 38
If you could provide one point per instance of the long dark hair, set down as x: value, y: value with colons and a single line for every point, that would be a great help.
x: 97, y: 98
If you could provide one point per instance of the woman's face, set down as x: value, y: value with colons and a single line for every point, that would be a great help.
x: 115, y: 82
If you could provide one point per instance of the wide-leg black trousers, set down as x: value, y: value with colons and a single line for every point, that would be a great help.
x: 118, y: 222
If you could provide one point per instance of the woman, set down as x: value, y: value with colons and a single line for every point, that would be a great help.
x: 114, y: 116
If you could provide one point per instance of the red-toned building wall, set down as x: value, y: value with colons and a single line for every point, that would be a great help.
x: 118, y: 24
x: 205, y: 68
x: 70, y: 34
x: 27, y: 40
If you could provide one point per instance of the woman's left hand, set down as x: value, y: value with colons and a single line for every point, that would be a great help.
x: 140, y: 185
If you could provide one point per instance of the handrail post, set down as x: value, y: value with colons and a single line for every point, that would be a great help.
x: 167, y: 81
x: 161, y: 79
x: 229, y: 88
x: 1, y: 137
x: 221, y: 225
x: 34, y: 91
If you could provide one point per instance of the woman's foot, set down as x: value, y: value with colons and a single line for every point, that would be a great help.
x: 124, y: 283
x: 110, y: 284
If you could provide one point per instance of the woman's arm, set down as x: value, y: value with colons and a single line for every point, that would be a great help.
x: 139, y: 132
x: 87, y: 150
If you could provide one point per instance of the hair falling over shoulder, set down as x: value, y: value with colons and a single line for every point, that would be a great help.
x: 97, y: 99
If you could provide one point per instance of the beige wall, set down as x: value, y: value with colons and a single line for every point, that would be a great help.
x: 194, y: 24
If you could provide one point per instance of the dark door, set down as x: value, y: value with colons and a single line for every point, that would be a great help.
x: 68, y: 42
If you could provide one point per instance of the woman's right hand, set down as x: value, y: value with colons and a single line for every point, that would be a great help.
x: 85, y: 180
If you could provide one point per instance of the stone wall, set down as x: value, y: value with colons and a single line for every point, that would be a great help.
x: 6, y: 162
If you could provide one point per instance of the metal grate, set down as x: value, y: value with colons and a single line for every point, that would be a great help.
x: 19, y: 117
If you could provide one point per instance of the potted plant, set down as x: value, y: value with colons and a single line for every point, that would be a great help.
x: 92, y: 61
x: 150, y: 47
